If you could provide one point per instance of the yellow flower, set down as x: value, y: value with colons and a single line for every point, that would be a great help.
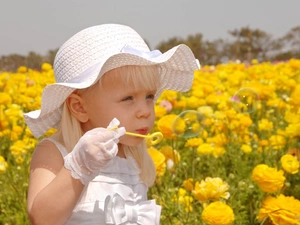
x: 189, y: 184
x: 184, y: 200
x: 171, y: 156
x: 280, y: 210
x: 160, y: 111
x: 218, y: 213
x: 293, y: 130
x: 206, y: 111
x: 292, y: 117
x: 265, y: 124
x: 218, y: 151
x: 205, y: 149
x: 169, y: 95
x: 192, y: 102
x: 46, y: 67
x: 254, y: 61
x: 22, y: 69
x: 193, y: 142
x: 3, y: 165
x: 211, y: 189
x: 19, y: 148
x: 159, y: 161
x: 5, y: 98
x: 263, y: 143
x: 165, y: 126
x: 245, y: 121
x: 290, y: 163
x: 246, y: 149
x: 277, y: 141
x: 219, y: 140
x: 268, y: 179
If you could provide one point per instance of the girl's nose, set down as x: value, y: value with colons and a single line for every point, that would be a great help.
x: 143, y: 111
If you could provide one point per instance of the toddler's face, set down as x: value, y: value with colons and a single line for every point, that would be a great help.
x: 133, y: 108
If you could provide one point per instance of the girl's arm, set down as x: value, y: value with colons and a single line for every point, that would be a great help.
x: 52, y: 193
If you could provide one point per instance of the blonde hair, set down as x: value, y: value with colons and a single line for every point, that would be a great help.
x: 142, y: 78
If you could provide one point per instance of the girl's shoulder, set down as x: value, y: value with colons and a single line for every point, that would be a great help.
x: 48, y: 156
x: 54, y: 142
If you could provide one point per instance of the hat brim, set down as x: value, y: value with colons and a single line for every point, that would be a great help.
x: 176, y: 68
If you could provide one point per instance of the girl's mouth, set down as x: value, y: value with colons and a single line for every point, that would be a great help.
x: 142, y: 131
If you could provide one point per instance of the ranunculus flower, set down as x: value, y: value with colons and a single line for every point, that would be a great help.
x: 189, y: 184
x: 165, y: 126
x: 205, y: 149
x: 172, y: 156
x: 211, y: 189
x: 290, y: 163
x: 277, y: 141
x: 5, y: 98
x: 246, y: 148
x: 218, y: 213
x: 159, y: 161
x: 193, y: 142
x: 268, y: 179
x: 3, y: 165
x: 280, y: 210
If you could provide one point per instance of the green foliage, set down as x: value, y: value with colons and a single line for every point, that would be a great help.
x: 14, y: 184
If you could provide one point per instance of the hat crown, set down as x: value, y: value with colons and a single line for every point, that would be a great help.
x: 91, y: 46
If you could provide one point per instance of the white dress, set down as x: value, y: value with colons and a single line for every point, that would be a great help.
x: 115, y: 196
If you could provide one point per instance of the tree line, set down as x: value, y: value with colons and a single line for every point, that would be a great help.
x: 244, y: 45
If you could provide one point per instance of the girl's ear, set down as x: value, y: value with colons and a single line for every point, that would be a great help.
x: 75, y: 105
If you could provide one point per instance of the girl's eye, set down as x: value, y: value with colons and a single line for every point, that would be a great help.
x: 127, y: 98
x: 151, y: 96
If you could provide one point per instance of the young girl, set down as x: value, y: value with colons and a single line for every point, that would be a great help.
x: 90, y: 171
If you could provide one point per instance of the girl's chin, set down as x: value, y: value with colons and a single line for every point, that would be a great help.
x: 131, y: 141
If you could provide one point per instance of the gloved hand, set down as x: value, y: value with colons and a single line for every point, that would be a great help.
x: 93, y: 151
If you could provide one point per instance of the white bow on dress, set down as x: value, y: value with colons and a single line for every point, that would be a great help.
x: 118, y: 211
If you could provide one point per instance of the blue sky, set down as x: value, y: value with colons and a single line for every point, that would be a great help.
x: 42, y: 25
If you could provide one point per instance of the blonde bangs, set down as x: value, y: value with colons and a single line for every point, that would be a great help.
x: 137, y: 77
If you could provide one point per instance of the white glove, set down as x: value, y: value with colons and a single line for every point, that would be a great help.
x: 93, y: 151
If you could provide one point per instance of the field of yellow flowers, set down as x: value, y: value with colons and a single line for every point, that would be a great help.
x: 230, y: 153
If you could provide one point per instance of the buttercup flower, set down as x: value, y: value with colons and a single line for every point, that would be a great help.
x: 246, y: 148
x: 46, y: 67
x: 281, y: 210
x: 159, y: 161
x: 160, y: 111
x: 184, y: 200
x: 290, y: 163
x: 218, y: 213
x: 211, y: 189
x: 265, y: 124
x: 218, y: 151
x: 171, y: 156
x: 205, y: 149
x: 293, y: 130
x: 277, y: 141
x: 5, y: 98
x: 165, y: 124
x: 3, y: 165
x: 189, y: 184
x: 193, y: 142
x: 22, y: 69
x: 268, y: 179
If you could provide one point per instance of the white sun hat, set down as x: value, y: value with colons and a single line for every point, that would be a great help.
x: 92, y: 52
